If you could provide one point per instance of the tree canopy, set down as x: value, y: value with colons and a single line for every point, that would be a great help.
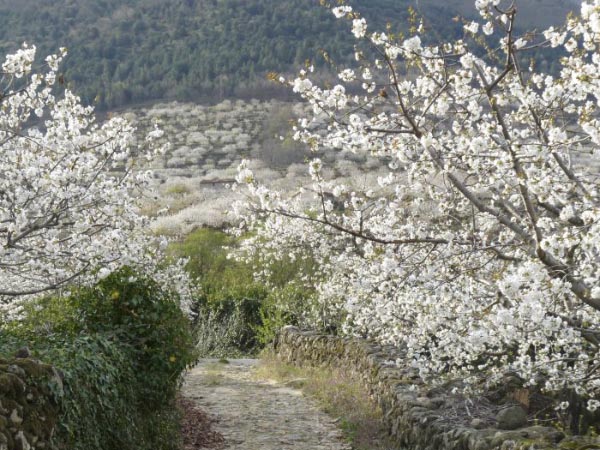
x: 479, y: 250
x: 69, y: 188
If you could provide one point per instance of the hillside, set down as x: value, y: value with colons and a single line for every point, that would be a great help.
x: 532, y: 13
x: 193, y: 178
x: 124, y: 52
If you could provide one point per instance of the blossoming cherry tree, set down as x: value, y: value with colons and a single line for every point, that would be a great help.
x: 479, y: 248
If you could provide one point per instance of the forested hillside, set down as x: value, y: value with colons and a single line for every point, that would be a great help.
x: 130, y: 51
x: 124, y: 51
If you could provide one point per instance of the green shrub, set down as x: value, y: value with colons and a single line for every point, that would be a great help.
x: 146, y: 320
x: 288, y: 305
x: 236, y: 313
x: 228, y: 308
x: 222, y: 336
x: 207, y: 250
x: 122, y: 346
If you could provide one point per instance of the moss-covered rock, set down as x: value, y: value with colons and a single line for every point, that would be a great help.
x: 28, y: 410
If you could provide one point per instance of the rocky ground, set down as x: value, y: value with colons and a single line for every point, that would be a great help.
x: 252, y: 414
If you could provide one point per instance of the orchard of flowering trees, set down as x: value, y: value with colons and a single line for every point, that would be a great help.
x: 480, y: 248
x: 69, y: 188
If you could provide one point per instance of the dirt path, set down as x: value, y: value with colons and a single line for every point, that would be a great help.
x: 259, y: 415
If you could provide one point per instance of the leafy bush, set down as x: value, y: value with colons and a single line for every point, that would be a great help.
x: 229, y: 303
x: 237, y: 313
x: 122, y: 346
x: 219, y: 335
x: 288, y: 305
x: 149, y: 323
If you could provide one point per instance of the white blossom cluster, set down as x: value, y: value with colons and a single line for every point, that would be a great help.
x: 69, y: 189
x: 480, y: 248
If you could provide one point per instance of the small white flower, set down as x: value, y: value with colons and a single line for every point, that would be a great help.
x: 341, y: 11
x: 592, y: 405
x: 379, y: 38
x: 302, y: 85
x: 472, y: 27
x: 412, y: 45
x: 359, y: 28
x: 562, y: 406
x: 347, y: 75
x: 571, y: 45
x: 519, y: 43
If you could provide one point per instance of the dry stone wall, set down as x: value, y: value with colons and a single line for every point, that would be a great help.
x: 28, y: 411
x: 421, y: 417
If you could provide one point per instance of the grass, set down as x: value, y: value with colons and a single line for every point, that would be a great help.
x: 177, y: 189
x: 213, y: 375
x: 339, y: 394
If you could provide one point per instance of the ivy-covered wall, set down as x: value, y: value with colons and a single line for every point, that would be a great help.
x: 421, y: 417
x: 119, y: 349
x: 28, y: 411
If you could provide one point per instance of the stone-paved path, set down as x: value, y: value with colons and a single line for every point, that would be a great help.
x: 259, y: 415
